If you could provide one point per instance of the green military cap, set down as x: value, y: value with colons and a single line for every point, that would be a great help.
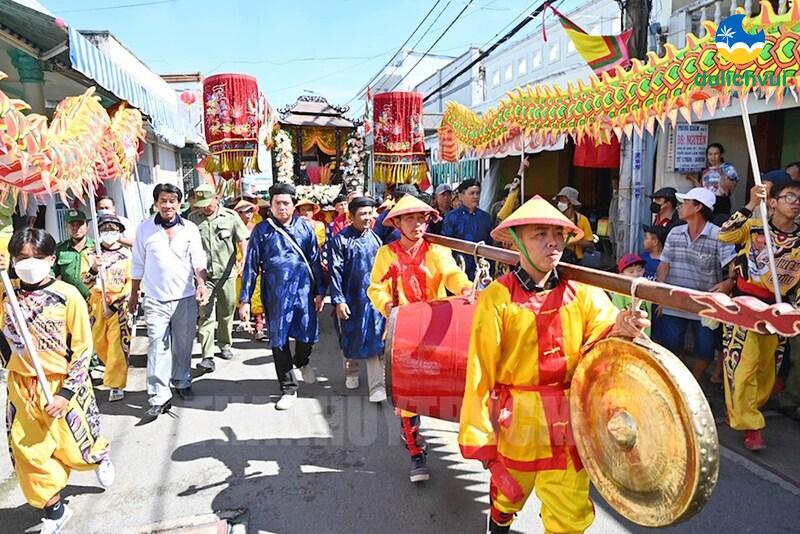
x: 204, y: 194
x: 75, y: 215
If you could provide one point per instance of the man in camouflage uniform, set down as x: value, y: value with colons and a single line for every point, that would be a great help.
x: 221, y: 231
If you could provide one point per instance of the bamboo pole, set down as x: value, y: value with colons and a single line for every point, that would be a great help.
x: 22, y: 329
x: 762, y: 206
x: 101, y: 270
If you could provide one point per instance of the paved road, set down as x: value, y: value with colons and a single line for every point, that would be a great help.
x: 332, y: 464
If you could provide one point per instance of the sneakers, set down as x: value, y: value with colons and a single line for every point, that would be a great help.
x: 351, y: 381
x: 260, y: 335
x: 419, y: 469
x: 207, y: 365
x: 379, y: 395
x: 286, y: 401
x: 309, y: 376
x: 754, y: 440
x: 115, y: 394
x: 105, y: 473
x: 54, y: 526
x: 226, y: 353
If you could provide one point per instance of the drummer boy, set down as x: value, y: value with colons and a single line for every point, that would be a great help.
x: 530, y: 329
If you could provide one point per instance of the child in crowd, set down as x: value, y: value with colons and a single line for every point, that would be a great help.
x: 654, y: 239
x: 632, y: 266
x: 48, y: 440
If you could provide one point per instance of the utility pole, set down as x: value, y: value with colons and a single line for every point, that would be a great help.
x: 638, y: 152
x: 637, y: 17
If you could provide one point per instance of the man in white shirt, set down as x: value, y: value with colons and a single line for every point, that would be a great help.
x: 169, y: 265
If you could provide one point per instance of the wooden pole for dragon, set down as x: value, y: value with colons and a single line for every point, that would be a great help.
x: 762, y: 206
x: 27, y: 338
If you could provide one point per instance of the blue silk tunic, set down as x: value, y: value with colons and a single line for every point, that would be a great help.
x: 475, y: 227
x: 287, y: 288
x: 352, y: 254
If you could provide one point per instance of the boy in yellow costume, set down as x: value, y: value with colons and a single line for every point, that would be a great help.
x: 749, y: 360
x: 111, y: 330
x: 530, y: 329
x: 413, y: 270
x: 48, y: 440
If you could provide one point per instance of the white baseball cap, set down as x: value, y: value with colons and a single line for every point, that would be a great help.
x: 701, y: 195
x: 443, y: 188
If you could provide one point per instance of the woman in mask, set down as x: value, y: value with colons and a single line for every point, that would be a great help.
x: 111, y: 330
x: 567, y: 203
x: 47, y: 440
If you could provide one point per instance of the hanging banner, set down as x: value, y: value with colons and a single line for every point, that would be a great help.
x: 399, y: 138
x: 231, y: 122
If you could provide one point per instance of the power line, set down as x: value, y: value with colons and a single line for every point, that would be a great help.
x: 428, y: 14
x: 110, y: 8
x: 491, y: 49
x: 434, y: 44
x: 421, y: 37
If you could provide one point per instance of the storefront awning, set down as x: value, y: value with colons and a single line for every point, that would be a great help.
x: 90, y: 61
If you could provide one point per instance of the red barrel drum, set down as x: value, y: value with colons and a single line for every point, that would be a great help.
x: 426, y: 361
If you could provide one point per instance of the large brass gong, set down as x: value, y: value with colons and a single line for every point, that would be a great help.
x: 644, y: 431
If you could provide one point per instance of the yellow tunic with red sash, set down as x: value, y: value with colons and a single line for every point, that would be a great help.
x: 401, y: 278
x: 526, y: 342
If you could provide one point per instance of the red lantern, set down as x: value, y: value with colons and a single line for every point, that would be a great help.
x: 188, y: 98
x: 399, y: 138
x: 231, y: 121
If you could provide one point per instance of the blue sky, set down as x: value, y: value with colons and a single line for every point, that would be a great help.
x: 330, y: 47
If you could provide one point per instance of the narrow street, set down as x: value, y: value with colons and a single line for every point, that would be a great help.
x: 334, y: 463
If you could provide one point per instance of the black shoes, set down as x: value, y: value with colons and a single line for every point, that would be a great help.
x: 185, y: 393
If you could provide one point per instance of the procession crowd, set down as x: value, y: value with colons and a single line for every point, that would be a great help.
x: 191, y: 268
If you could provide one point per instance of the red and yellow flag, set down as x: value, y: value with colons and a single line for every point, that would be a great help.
x: 602, y: 52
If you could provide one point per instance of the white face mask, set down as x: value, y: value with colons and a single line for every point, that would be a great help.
x: 32, y: 270
x: 562, y: 206
x: 109, y: 238
x: 105, y: 212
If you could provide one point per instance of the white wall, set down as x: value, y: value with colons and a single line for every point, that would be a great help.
x: 465, y: 89
x: 531, y: 60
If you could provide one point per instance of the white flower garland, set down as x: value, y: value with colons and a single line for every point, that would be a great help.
x: 323, y: 195
x: 353, y: 172
x: 284, y: 160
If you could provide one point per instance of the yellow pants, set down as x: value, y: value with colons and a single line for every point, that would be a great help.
x: 564, y: 493
x: 45, y: 450
x: 255, y: 302
x: 112, y: 339
x: 749, y: 367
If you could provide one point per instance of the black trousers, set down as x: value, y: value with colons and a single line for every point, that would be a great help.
x: 284, y: 362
